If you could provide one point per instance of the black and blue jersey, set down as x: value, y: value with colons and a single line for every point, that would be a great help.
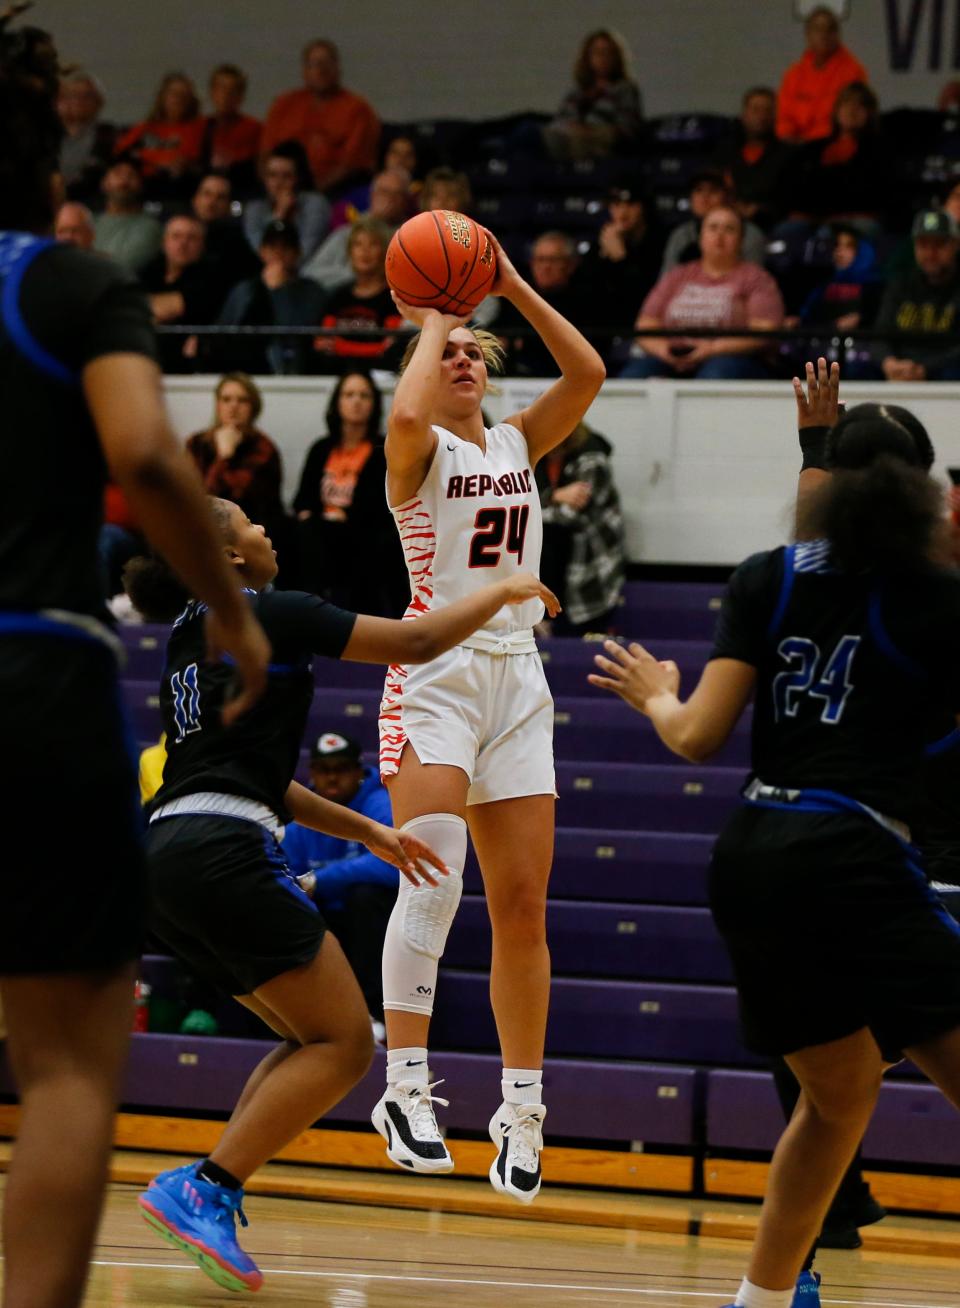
x: 851, y: 671
x: 256, y: 757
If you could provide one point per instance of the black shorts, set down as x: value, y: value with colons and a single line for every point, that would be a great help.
x: 72, y: 874
x: 225, y: 901
x: 831, y: 927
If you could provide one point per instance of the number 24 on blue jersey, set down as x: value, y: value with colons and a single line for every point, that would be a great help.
x: 810, y: 673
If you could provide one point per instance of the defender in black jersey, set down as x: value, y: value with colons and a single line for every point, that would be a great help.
x: 223, y: 897
x: 850, y: 641
x: 80, y: 392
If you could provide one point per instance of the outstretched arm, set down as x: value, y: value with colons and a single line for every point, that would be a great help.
x: 695, y: 728
x: 818, y: 408
x: 552, y: 416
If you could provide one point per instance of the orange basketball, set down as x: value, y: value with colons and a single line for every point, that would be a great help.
x: 441, y: 260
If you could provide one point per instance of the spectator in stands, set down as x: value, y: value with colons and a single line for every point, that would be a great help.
x: 845, y: 175
x: 708, y: 190
x: 850, y: 297
x: 348, y: 543
x: 810, y: 87
x: 625, y: 263
x: 236, y: 460
x: 389, y: 192
x: 338, y: 128
x: 445, y: 188
x: 363, y: 304
x: 925, y: 299
x: 168, y: 144
x: 400, y: 155
x: 226, y: 244
x: 289, y: 199
x: 553, y: 267
x: 123, y: 230
x: 87, y: 146
x: 74, y: 225
x: 276, y: 297
x: 602, y: 114
x: 583, y: 560
x: 721, y: 290
x: 356, y: 890
x: 754, y: 162
x: 183, y: 289
x: 231, y: 139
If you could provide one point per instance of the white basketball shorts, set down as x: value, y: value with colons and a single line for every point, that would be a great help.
x: 489, y: 714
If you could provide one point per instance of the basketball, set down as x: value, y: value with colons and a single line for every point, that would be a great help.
x: 441, y: 260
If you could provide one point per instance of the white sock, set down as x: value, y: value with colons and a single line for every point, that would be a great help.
x: 521, y: 1085
x: 407, y: 1065
x: 753, y: 1296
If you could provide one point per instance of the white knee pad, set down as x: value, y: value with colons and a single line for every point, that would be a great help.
x: 422, y: 917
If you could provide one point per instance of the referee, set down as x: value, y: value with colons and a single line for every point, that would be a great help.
x: 81, y: 394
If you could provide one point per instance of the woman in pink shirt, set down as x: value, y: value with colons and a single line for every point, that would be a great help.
x: 720, y: 290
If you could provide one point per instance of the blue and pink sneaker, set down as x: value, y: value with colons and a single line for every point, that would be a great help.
x: 807, y: 1292
x: 200, y: 1218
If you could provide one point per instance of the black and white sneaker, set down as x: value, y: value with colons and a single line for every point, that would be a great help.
x: 406, y: 1120
x: 517, y: 1131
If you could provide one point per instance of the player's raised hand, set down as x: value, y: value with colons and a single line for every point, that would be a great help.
x: 819, y: 404
x: 419, y: 315
x: 634, y: 674
x: 507, y: 278
x: 416, y: 860
x: 525, y: 586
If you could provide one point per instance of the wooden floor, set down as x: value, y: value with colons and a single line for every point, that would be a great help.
x: 338, y: 1255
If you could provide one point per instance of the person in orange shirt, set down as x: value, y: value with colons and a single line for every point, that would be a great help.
x: 339, y: 129
x: 231, y: 140
x: 810, y: 87
x: 167, y: 145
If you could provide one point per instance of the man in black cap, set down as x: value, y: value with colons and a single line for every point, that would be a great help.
x: 356, y: 890
x: 707, y: 190
x: 625, y: 262
x: 279, y: 297
x: 925, y: 299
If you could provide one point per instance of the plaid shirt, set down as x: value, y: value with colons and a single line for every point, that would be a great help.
x: 250, y: 478
x: 597, y: 567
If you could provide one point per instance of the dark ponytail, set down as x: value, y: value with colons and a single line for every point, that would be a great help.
x: 155, y: 590
x: 32, y: 131
x: 880, y: 510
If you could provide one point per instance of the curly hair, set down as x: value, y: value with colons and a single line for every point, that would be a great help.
x: 32, y: 131
x: 880, y: 510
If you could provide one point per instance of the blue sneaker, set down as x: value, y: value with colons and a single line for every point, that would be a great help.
x: 200, y: 1218
x: 807, y: 1293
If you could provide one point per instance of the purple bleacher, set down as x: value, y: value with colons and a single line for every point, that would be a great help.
x: 658, y: 610
x: 567, y: 662
x: 606, y: 940
x: 647, y: 1021
x: 629, y: 866
x: 911, y: 1124
x: 653, y: 1104
x: 646, y: 797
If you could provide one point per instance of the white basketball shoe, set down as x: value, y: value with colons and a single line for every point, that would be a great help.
x: 406, y: 1120
x: 517, y: 1132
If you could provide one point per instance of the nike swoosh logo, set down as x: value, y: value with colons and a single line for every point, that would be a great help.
x: 523, y: 1085
x: 451, y: 448
x: 416, y: 1062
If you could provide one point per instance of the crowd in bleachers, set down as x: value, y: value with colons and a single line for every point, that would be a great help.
x: 829, y: 224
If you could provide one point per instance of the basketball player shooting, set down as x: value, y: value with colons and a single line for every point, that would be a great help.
x: 466, y: 742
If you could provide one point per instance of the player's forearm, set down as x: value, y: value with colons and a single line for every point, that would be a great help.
x: 680, y: 727
x: 572, y: 352
x: 416, y: 390
x: 441, y: 629
x: 319, y: 814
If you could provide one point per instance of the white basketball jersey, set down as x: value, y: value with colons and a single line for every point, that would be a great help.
x: 476, y: 519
